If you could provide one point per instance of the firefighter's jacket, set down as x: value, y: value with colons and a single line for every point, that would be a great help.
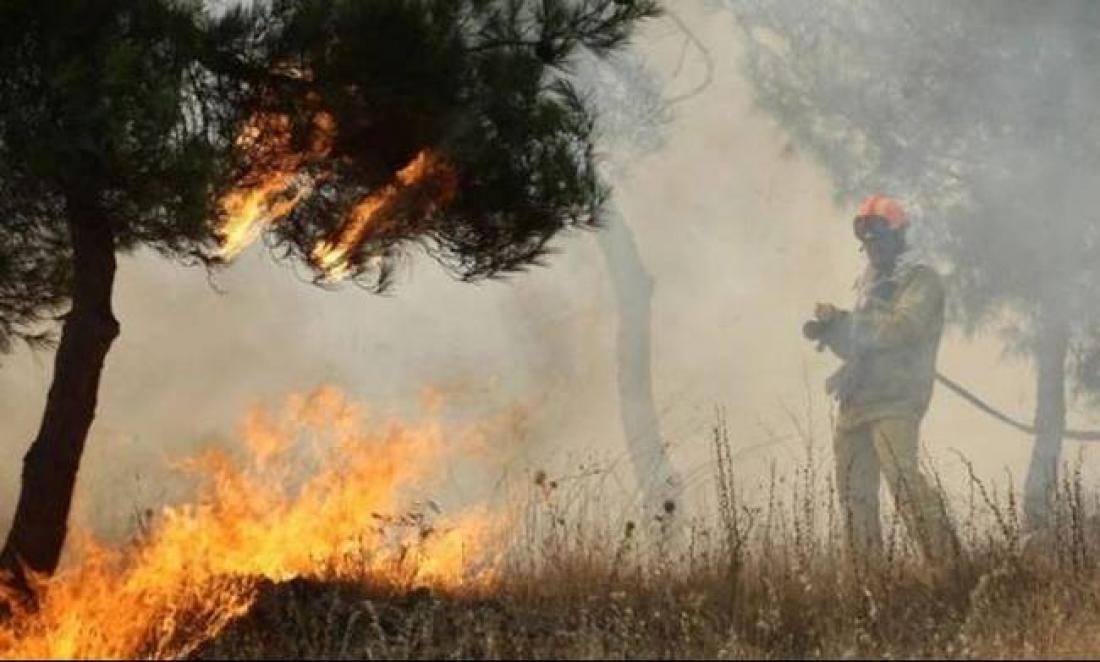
x: 888, y: 343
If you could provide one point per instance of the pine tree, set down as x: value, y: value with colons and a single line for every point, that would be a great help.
x: 344, y: 132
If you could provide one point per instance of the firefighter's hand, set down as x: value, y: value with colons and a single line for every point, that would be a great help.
x: 826, y: 312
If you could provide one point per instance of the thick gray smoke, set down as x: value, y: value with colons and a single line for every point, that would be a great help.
x: 740, y: 233
x: 981, y: 117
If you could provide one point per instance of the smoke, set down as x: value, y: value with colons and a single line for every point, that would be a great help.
x: 740, y: 232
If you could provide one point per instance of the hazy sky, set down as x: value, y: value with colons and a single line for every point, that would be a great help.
x: 741, y: 234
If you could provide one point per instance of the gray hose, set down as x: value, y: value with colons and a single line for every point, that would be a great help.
x: 961, y: 391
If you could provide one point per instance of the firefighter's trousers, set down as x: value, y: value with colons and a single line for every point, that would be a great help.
x: 889, y: 447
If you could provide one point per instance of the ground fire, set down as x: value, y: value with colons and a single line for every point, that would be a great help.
x: 256, y: 516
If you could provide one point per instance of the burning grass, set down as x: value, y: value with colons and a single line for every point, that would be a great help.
x: 773, y: 587
x: 273, y: 562
x: 312, y: 494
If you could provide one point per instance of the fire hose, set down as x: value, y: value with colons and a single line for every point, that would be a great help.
x: 961, y: 391
x: 812, y: 331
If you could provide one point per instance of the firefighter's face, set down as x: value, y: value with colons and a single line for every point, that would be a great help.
x: 882, y: 244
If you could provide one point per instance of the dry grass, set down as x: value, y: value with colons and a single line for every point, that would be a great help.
x: 756, y: 582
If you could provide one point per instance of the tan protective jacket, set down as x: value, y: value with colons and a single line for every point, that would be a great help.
x: 888, y: 344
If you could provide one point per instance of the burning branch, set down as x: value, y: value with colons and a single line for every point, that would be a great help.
x: 281, y: 178
x: 426, y: 184
x: 277, y: 181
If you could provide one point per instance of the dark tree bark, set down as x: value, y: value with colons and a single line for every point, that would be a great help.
x: 633, y: 288
x: 1050, y: 414
x: 50, y: 466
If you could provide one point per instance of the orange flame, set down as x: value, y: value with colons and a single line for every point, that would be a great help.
x: 279, y: 183
x: 427, y: 175
x: 198, y: 568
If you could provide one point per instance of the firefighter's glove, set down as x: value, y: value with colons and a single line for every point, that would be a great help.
x: 825, y: 315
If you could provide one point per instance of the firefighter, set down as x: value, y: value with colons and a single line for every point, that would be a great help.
x: 888, y: 344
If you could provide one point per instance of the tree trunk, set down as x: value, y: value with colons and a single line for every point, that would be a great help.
x: 50, y: 466
x: 633, y: 288
x: 1050, y: 414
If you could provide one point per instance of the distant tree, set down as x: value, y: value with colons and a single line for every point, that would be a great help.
x: 342, y: 131
x: 631, y: 122
x: 634, y: 111
x: 982, y: 116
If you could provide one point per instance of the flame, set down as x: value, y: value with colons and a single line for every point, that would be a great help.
x: 281, y: 180
x: 198, y: 568
x: 279, y: 183
x: 426, y: 175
